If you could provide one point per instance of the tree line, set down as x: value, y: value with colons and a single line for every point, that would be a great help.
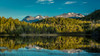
x: 50, y: 25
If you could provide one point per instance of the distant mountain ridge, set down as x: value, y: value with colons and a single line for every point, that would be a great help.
x: 39, y: 17
x: 70, y: 15
x: 34, y: 19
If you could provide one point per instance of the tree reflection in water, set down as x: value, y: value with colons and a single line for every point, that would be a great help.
x: 60, y: 42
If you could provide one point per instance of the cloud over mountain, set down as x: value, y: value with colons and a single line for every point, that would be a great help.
x: 45, y: 1
x: 70, y: 2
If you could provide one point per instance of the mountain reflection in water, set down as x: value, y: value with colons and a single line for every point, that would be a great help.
x: 18, y: 46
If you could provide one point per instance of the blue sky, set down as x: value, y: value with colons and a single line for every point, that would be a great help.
x: 21, y: 8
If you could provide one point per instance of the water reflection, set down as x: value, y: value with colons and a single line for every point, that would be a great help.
x: 12, y: 44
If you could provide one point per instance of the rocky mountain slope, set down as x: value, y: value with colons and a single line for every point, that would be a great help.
x: 34, y: 19
x: 70, y: 15
x: 39, y: 17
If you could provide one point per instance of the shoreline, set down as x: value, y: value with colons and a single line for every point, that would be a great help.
x: 45, y: 34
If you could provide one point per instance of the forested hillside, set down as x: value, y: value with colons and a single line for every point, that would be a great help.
x: 93, y: 16
x: 50, y: 25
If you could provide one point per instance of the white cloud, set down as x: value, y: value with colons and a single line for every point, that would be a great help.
x: 70, y: 2
x: 51, y: 2
x: 45, y: 1
x: 85, y: 2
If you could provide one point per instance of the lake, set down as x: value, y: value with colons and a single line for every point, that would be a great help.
x: 48, y: 46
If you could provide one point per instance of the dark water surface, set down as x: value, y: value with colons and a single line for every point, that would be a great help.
x: 45, y: 46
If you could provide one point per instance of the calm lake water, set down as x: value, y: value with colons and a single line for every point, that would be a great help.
x: 42, y: 46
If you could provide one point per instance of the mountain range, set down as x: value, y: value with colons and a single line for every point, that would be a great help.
x: 70, y: 15
x: 92, y: 16
x: 34, y: 19
x: 39, y: 17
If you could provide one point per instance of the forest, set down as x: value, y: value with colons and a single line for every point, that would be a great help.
x: 50, y: 25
